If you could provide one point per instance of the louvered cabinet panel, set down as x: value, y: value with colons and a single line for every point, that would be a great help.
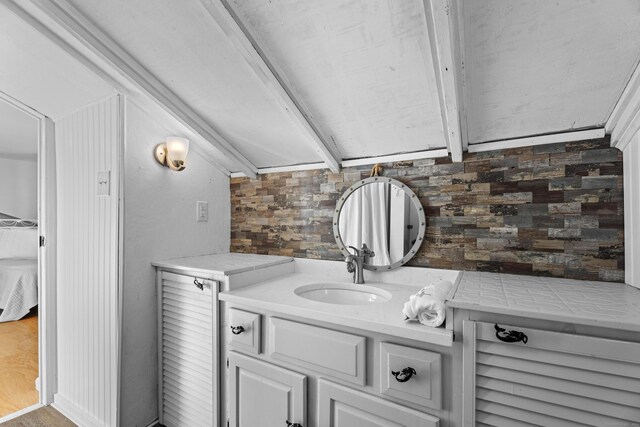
x: 554, y: 379
x: 187, y: 350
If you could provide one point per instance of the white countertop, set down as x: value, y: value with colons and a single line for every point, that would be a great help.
x: 222, y: 264
x: 278, y: 296
x: 603, y: 304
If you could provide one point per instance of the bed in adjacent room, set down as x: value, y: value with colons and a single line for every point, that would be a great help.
x: 18, y: 268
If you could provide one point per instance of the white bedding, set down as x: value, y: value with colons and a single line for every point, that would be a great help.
x: 18, y: 287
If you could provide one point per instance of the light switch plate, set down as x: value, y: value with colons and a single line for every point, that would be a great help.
x: 103, y: 183
x: 202, y: 211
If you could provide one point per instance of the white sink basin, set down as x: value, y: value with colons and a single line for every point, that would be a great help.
x: 343, y: 293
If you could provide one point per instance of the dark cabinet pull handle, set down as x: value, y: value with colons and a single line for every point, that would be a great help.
x: 237, y: 330
x: 404, y: 375
x: 198, y: 284
x: 293, y: 424
x: 510, y: 336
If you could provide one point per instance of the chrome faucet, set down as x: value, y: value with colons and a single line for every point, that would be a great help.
x: 355, y: 263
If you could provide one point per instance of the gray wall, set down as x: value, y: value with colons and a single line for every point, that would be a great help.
x: 159, y: 223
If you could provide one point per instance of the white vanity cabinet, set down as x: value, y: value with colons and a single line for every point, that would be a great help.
x: 187, y: 350
x: 513, y: 375
x: 545, y: 351
x: 314, y: 374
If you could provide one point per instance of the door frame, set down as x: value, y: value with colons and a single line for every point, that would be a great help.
x: 47, y: 347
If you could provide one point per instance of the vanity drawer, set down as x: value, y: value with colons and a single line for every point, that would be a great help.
x: 336, y: 354
x: 245, y: 330
x: 424, y: 387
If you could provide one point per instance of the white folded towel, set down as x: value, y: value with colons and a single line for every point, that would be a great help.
x: 427, y: 306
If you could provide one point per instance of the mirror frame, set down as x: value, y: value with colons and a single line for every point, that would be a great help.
x: 414, y: 199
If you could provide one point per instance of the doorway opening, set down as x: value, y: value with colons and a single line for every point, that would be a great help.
x: 27, y: 263
x: 19, y: 247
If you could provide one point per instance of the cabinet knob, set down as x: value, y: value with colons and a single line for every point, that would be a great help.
x: 289, y: 424
x: 404, y: 375
x: 510, y: 336
x: 237, y: 330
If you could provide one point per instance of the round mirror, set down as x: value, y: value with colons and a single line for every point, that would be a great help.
x: 384, y: 216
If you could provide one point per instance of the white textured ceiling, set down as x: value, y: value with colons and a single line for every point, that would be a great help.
x: 362, y: 68
x: 535, y: 67
x: 39, y: 74
x: 184, y: 47
x: 18, y: 133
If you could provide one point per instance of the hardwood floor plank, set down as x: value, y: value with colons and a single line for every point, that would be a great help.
x: 18, y: 364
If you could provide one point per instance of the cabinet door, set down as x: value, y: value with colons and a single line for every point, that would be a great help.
x: 547, y: 378
x: 188, y: 357
x: 261, y: 394
x: 343, y: 407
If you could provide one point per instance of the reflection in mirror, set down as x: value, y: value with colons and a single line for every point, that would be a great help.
x: 384, y: 217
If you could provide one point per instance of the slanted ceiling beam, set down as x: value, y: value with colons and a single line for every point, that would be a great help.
x: 63, y: 13
x: 266, y: 70
x: 624, y: 121
x: 442, y: 22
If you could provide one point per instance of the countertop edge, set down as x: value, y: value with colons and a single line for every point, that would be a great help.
x: 228, y: 272
x: 436, y: 336
x: 579, y: 320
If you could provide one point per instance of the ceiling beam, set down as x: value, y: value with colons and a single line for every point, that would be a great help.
x: 263, y: 66
x: 401, y: 157
x: 530, y: 141
x: 624, y: 121
x: 461, y: 79
x: 444, y: 39
x: 64, y: 14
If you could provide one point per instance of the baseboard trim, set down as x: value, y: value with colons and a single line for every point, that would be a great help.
x: 74, y: 413
x: 21, y: 412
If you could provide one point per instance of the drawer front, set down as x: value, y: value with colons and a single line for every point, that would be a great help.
x: 336, y: 354
x: 411, y: 374
x: 244, y: 330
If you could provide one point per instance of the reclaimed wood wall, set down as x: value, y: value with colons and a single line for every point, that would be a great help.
x: 554, y: 210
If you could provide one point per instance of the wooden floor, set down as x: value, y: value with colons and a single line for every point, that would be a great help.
x: 18, y: 364
x: 43, y: 417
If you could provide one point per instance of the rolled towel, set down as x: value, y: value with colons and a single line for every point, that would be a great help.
x: 427, y: 306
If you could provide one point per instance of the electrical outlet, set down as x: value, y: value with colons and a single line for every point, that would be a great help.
x: 202, y: 209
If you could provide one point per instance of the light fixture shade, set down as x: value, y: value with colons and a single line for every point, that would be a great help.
x: 176, y: 152
x: 173, y: 153
x: 177, y: 149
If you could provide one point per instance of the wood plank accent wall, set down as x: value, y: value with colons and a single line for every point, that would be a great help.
x: 553, y: 210
x: 87, y: 142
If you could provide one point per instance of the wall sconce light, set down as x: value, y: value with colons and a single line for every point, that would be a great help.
x: 173, y: 153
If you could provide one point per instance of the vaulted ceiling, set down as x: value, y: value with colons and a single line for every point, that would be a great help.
x: 285, y: 82
x: 42, y: 76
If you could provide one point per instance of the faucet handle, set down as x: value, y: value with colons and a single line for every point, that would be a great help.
x: 366, y: 252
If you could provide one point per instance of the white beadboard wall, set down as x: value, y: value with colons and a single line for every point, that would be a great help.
x: 631, y: 158
x: 87, y: 142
